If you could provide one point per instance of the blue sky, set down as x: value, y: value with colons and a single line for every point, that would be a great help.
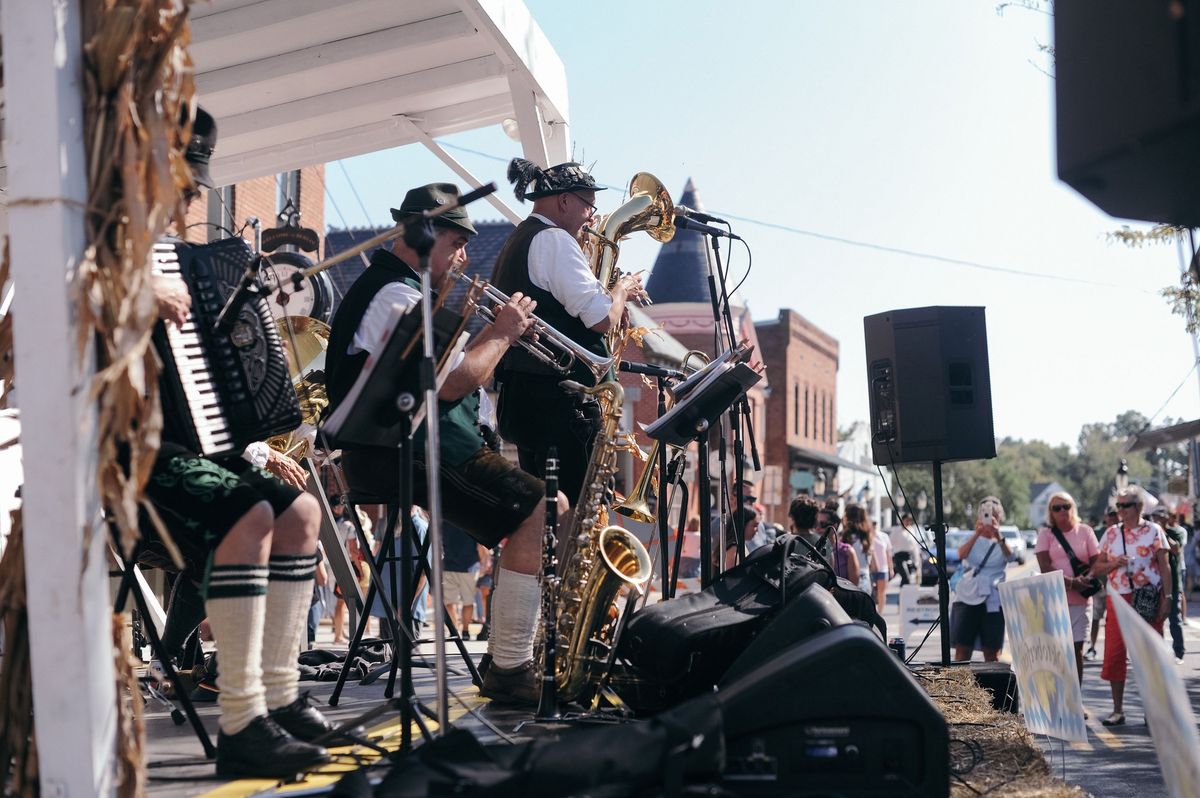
x: 837, y: 130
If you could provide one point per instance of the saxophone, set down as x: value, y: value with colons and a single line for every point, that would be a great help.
x: 597, y: 561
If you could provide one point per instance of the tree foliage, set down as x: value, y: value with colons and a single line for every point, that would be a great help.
x: 1087, y: 471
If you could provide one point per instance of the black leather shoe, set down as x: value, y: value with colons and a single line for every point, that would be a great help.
x: 304, y: 722
x: 264, y: 750
x: 518, y: 686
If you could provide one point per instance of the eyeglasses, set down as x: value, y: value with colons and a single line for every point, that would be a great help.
x: 591, y: 207
x: 1058, y: 508
x: 1126, y: 505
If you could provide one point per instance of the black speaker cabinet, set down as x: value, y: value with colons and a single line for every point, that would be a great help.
x: 1127, y: 81
x: 930, y: 391
x: 834, y: 714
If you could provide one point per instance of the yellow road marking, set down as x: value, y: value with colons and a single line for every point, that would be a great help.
x: 1104, y: 735
x: 386, y: 735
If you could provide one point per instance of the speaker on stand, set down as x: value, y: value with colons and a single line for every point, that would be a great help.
x: 931, y: 402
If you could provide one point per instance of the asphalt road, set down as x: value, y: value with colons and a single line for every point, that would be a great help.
x: 1119, y: 761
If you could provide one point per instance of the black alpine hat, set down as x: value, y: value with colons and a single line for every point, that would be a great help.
x: 558, y: 179
x: 200, y: 148
x: 434, y: 195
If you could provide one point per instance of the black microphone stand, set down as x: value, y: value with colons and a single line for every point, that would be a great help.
x: 723, y: 317
x: 420, y: 238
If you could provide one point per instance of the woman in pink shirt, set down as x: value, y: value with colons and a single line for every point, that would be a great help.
x: 1062, y: 514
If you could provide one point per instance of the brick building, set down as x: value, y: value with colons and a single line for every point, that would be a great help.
x: 802, y: 361
x: 263, y: 197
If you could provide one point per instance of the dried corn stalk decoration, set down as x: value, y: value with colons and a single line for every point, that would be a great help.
x: 131, y: 730
x: 138, y: 85
x: 18, y: 750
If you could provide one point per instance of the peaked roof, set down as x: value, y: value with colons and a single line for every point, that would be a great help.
x: 680, y: 271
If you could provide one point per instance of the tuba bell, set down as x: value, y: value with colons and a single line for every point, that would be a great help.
x: 649, y: 209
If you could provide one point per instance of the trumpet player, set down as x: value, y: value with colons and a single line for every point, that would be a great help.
x: 542, y: 259
x: 482, y: 492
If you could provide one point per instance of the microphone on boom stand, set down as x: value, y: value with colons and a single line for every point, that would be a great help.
x: 684, y: 223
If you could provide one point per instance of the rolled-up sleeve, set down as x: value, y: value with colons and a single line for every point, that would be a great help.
x: 557, y: 265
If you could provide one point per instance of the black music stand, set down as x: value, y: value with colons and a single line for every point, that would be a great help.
x: 712, y: 392
x: 380, y: 411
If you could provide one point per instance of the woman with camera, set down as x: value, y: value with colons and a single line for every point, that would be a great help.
x: 1071, y: 547
x: 976, y: 616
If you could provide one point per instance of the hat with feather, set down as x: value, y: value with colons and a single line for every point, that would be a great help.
x: 531, y: 181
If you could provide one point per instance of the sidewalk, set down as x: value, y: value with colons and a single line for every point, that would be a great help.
x: 1118, y: 761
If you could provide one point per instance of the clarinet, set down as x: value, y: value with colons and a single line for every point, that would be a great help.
x: 548, y: 700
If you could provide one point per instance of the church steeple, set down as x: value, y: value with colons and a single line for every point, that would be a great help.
x: 680, y: 271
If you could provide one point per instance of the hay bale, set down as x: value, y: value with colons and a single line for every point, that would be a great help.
x: 990, y: 751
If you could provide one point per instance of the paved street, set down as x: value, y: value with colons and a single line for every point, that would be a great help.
x: 1120, y: 761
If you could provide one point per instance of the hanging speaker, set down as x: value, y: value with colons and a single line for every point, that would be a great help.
x: 930, y: 391
x: 1127, y: 95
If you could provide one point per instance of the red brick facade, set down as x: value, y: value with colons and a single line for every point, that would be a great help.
x: 260, y: 197
x: 802, y: 364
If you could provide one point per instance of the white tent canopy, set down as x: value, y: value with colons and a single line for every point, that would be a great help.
x: 300, y: 82
x: 291, y: 83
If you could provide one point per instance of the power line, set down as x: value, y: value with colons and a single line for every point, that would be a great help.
x: 865, y: 244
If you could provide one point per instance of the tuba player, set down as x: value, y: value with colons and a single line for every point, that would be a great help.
x: 542, y: 259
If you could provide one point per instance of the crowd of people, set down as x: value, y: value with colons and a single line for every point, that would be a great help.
x: 1146, y: 558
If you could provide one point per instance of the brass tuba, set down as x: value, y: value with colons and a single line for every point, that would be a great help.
x: 649, y: 209
x: 596, y: 562
x: 305, y: 340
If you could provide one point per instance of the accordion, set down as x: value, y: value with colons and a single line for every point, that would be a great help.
x: 220, y: 391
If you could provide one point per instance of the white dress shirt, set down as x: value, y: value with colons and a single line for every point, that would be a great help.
x: 557, y: 265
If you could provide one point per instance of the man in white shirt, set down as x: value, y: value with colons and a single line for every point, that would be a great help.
x: 481, y: 491
x: 542, y: 259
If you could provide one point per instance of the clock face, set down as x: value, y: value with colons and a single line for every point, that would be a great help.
x: 289, y: 301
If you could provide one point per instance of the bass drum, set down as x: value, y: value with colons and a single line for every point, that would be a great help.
x: 315, y: 297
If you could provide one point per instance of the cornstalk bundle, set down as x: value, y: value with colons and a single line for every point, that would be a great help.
x: 138, y: 83
x: 138, y: 87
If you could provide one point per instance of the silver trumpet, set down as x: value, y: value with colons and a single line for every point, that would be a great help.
x: 545, y: 343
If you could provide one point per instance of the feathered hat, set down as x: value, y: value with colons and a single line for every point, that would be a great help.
x: 541, y: 182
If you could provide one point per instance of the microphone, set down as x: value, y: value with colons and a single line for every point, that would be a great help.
x: 233, y: 306
x: 699, y: 216
x: 684, y: 223
x: 650, y: 371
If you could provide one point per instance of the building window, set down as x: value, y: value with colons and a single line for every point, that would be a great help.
x: 806, y: 411
x: 824, y: 419
x: 796, y: 409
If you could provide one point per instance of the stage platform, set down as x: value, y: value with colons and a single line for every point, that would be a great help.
x: 176, y: 766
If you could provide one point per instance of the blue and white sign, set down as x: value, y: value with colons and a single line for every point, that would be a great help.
x: 1038, y: 624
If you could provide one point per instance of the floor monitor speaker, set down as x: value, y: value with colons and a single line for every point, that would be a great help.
x: 930, y: 389
x: 834, y: 714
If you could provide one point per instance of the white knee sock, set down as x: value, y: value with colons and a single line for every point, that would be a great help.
x: 289, y: 596
x: 236, y: 599
x: 516, y: 605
